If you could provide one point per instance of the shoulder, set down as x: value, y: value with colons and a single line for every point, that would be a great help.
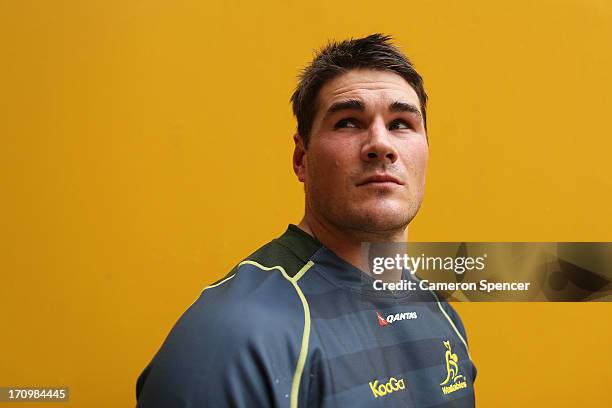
x: 249, y: 322
x: 256, y: 304
x: 261, y: 282
x: 286, y: 255
x: 253, y: 297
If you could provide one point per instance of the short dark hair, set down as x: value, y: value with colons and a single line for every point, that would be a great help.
x: 372, y: 52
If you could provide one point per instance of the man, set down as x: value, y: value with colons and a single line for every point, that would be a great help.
x: 297, y: 323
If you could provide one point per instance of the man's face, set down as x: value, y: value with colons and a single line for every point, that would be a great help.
x: 364, y: 168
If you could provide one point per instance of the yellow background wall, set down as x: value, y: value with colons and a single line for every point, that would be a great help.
x: 146, y: 148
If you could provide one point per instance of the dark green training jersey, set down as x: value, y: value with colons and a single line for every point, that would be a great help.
x: 294, y: 325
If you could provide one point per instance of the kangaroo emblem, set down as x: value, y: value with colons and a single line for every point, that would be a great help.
x: 452, y: 369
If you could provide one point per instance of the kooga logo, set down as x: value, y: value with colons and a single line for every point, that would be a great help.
x: 380, y: 390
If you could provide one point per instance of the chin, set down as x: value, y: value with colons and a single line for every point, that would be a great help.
x: 381, y: 218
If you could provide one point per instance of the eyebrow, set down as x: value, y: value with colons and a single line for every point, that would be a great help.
x: 356, y: 104
x: 405, y: 107
x: 351, y: 104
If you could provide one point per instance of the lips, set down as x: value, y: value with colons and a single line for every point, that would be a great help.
x: 380, y: 179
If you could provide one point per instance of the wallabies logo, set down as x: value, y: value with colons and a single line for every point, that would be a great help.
x: 454, y: 380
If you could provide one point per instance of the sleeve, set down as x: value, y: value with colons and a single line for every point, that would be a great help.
x: 222, y: 354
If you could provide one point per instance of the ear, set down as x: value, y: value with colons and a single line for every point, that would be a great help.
x: 299, y: 157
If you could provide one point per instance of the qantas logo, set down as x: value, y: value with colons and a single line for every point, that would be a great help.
x: 392, y: 318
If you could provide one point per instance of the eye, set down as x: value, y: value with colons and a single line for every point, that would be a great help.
x: 346, y: 123
x: 399, y: 124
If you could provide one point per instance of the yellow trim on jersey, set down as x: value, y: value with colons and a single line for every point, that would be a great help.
x: 449, y: 320
x: 299, y: 369
x: 212, y: 286
x: 219, y: 283
x: 302, y: 271
x: 452, y: 324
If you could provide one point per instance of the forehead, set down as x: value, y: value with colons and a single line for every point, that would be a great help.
x: 373, y: 87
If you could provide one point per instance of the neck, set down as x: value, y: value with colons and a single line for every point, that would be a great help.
x: 347, y: 244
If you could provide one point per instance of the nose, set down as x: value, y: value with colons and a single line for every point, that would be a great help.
x: 379, y: 146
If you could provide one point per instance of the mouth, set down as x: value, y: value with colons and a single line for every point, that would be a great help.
x: 380, y: 180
